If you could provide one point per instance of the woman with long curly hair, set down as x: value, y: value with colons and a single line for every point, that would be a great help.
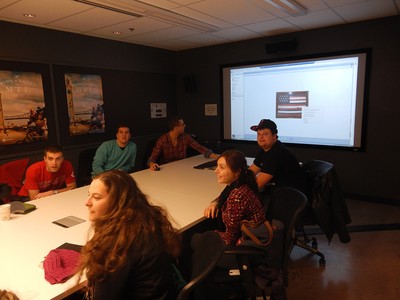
x: 133, y: 245
x: 8, y: 295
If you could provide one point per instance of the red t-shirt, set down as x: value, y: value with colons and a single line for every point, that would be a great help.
x: 38, y: 178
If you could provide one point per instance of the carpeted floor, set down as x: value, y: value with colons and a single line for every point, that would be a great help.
x: 366, y: 268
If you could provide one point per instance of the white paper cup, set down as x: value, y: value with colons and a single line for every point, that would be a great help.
x: 5, y: 212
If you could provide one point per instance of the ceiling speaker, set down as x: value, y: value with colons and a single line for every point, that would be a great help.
x: 281, y: 46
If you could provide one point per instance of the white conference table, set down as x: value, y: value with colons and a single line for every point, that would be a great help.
x: 182, y: 190
x: 27, y: 239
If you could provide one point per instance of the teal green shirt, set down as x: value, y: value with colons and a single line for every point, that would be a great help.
x: 109, y: 156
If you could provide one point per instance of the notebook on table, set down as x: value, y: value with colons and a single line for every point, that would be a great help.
x: 19, y: 207
x: 68, y: 221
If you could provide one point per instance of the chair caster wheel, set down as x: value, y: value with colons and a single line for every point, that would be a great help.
x: 322, y: 262
x: 314, y: 244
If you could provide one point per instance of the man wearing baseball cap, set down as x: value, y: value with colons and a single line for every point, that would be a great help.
x: 274, y: 165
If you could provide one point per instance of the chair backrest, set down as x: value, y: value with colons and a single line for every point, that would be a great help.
x: 287, y: 206
x: 85, y: 161
x: 315, y: 170
x: 207, y: 249
x: 149, y: 149
x: 12, y: 175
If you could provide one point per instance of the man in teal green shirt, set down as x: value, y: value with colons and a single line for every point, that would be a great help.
x: 118, y: 154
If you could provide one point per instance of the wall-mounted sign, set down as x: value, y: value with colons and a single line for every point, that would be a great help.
x: 210, y: 110
x: 158, y: 110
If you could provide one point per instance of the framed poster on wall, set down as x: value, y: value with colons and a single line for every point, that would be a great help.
x: 23, y: 116
x: 84, y: 96
x: 26, y: 108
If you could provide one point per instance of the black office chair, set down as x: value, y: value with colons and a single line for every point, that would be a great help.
x: 207, y: 249
x: 84, y: 174
x: 326, y: 207
x: 263, y: 271
x: 149, y: 149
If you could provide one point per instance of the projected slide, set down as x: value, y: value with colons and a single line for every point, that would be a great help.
x: 314, y: 101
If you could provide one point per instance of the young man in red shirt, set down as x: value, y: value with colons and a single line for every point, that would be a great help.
x: 51, y: 176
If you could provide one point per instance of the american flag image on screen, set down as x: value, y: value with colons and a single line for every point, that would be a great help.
x: 290, y: 104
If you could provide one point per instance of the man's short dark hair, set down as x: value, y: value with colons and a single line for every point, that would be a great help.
x: 122, y: 125
x: 173, y: 122
x: 52, y: 149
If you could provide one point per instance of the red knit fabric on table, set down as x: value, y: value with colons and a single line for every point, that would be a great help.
x: 60, y: 264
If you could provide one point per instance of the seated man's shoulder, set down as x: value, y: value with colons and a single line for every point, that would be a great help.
x: 108, y: 143
x: 131, y: 147
x: 36, y: 165
x: 186, y: 136
x: 280, y: 148
x: 286, y: 157
x: 67, y: 162
x: 162, y: 138
x: 34, y: 171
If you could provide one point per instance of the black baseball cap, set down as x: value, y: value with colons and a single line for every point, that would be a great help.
x: 265, y: 123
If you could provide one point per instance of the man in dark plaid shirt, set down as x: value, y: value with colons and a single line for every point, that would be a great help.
x: 172, y: 145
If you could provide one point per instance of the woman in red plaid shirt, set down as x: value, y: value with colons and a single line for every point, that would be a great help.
x: 240, y: 200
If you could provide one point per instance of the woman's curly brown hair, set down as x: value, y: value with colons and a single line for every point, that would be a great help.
x: 129, y: 220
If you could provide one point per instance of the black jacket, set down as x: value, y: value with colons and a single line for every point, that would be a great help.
x: 327, y: 201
